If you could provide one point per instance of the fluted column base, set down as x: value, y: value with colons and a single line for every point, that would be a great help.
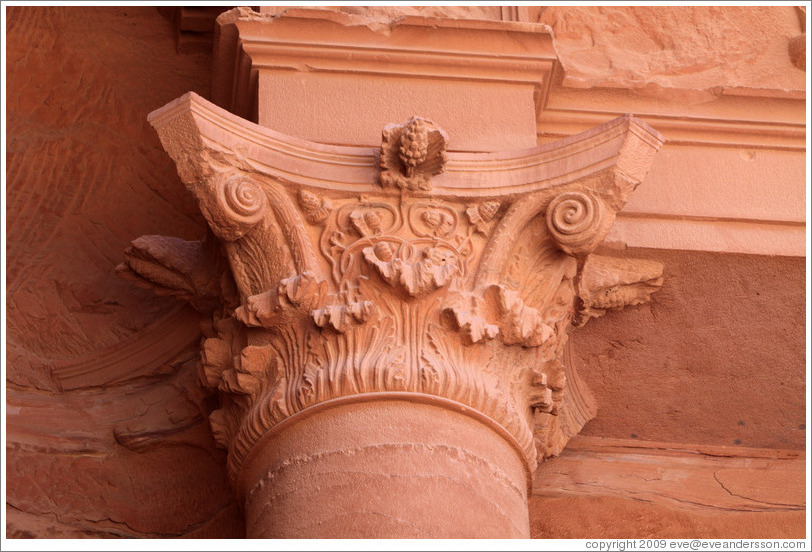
x: 386, y: 466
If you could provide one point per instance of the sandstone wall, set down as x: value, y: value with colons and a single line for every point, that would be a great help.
x: 107, y: 432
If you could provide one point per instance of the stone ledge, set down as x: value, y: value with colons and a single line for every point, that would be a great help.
x: 654, y: 231
x: 685, y: 476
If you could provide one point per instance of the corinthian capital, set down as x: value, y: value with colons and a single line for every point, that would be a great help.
x: 410, y: 271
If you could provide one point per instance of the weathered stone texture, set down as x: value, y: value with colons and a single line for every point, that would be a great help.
x: 124, y: 451
x: 715, y: 358
x: 621, y: 518
x: 85, y: 174
x: 707, y: 49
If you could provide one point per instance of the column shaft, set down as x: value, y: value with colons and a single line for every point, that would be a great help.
x: 389, y: 468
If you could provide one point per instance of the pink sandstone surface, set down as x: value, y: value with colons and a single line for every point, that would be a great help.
x: 701, y: 365
x: 86, y: 173
x: 709, y: 50
x: 128, y: 452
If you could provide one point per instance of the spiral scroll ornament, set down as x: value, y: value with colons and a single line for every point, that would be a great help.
x: 577, y: 221
x: 237, y: 205
x: 243, y: 199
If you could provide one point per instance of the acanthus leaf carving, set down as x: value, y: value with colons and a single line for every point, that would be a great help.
x: 612, y: 283
x: 342, y: 317
x: 429, y: 269
x: 300, y: 293
x: 215, y: 358
x: 219, y: 422
x: 547, y: 391
x: 473, y: 327
x: 517, y: 322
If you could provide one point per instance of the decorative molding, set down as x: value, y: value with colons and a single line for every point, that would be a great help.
x: 410, y: 46
x: 751, y: 222
x: 350, y: 282
x: 709, y: 234
x: 323, y: 169
x: 685, y: 130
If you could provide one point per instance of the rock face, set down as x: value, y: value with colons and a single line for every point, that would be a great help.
x: 678, y: 353
x: 103, y: 404
x: 707, y: 50
x: 81, y: 159
x: 107, y: 423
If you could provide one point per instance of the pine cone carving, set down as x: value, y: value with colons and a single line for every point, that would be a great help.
x: 412, y: 153
x: 414, y: 145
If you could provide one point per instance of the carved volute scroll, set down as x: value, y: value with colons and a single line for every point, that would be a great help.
x: 403, y: 271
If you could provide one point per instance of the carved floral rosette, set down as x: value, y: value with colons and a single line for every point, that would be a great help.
x: 461, y: 286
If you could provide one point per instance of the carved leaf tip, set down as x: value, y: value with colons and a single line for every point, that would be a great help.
x: 290, y: 299
x: 434, y: 268
x: 518, y: 323
x: 473, y: 327
x: 612, y: 283
x: 342, y: 317
x: 314, y: 209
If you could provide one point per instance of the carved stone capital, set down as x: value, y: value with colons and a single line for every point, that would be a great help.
x: 444, y: 277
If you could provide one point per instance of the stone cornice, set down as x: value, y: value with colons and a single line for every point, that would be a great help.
x: 413, y: 47
x: 731, y: 132
x: 757, y: 145
x: 410, y: 56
